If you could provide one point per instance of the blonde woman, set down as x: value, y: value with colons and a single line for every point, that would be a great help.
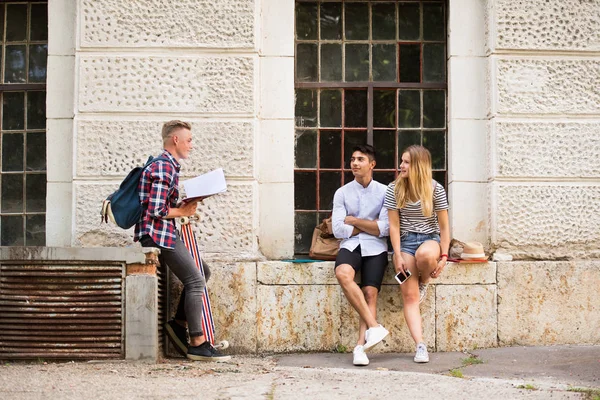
x: 419, y: 233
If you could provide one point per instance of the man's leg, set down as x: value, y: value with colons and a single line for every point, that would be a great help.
x: 345, y: 276
x: 180, y: 316
x: 370, y: 294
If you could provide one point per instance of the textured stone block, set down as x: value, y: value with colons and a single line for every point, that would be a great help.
x: 286, y: 273
x: 390, y: 313
x: 547, y: 303
x: 465, y: 317
x: 210, y: 84
x: 547, y: 25
x: 113, y: 148
x: 548, y: 221
x: 164, y: 23
x: 522, y: 149
x: 467, y: 274
x: 232, y: 291
x: 546, y: 86
x: 141, y: 323
x: 226, y: 224
x: 298, y: 318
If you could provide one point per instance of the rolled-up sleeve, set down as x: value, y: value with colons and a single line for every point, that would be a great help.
x: 158, y: 201
x: 383, y: 223
x: 340, y: 229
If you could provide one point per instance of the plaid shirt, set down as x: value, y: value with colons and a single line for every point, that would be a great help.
x: 159, y: 191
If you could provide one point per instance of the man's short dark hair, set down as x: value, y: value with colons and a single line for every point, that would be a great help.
x: 366, y: 149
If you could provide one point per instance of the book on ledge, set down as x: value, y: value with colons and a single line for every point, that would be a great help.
x: 205, y: 185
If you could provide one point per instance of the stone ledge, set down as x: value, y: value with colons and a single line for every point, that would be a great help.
x: 321, y: 273
x: 128, y: 255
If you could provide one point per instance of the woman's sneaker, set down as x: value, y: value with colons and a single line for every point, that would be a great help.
x: 422, y: 355
x: 177, y: 334
x: 360, y: 357
x: 205, y: 352
x: 422, y: 291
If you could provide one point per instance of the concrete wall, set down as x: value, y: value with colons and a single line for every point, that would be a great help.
x: 282, y: 307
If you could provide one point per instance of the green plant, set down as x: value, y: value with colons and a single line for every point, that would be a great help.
x: 471, y: 360
x: 527, y: 387
x: 457, y: 373
x: 590, y: 394
x: 340, y: 348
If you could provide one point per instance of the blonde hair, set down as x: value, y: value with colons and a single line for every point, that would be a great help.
x: 174, y: 125
x: 418, y: 185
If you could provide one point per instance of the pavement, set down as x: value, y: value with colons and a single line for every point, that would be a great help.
x: 556, y: 372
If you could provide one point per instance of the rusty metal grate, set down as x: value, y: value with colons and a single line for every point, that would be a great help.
x: 61, y: 311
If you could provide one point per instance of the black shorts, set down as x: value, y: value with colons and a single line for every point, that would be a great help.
x: 371, y: 268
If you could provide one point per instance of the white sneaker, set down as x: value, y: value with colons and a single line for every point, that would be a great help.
x: 422, y: 291
x: 360, y: 357
x: 374, y: 335
x: 422, y: 356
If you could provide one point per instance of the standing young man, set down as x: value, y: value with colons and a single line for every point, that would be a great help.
x: 360, y: 219
x: 159, y: 193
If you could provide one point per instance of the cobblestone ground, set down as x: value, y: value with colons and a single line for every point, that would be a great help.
x: 251, y: 378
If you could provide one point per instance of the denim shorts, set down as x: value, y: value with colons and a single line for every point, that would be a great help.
x: 411, y: 241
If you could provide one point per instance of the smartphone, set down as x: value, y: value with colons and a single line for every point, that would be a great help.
x: 401, y: 278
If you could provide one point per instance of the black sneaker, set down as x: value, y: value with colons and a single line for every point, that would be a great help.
x: 177, y: 334
x: 205, y: 352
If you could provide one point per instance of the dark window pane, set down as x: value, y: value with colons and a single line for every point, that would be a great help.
x: 330, y: 150
x: 435, y: 142
x: 357, y: 62
x: 1, y: 24
x: 306, y: 21
x: 14, y: 68
x: 408, y: 21
x: 39, y: 22
x: 440, y: 176
x: 384, y: 21
x: 384, y: 62
x: 12, y: 152
x: 384, y: 108
x: 35, y: 230
x: 305, y: 195
x: 434, y: 109
x: 304, y: 225
x: 331, y: 21
x: 35, y: 192
x: 352, y: 139
x: 434, y: 62
x: 357, y: 21
x: 38, y: 56
x: 306, y: 107
x: 385, y: 177
x: 433, y: 22
x: 385, y: 146
x: 348, y: 177
x: 331, y: 108
x: 306, y: 63
x: 306, y: 149
x: 36, y: 110
x: 409, y: 109
x: 12, y: 230
x: 410, y: 63
x: 16, y: 22
x: 13, y: 111
x: 405, y: 139
x: 12, y: 193
x: 36, y: 151
x: 331, y: 62
x: 329, y: 182
x: 355, y: 108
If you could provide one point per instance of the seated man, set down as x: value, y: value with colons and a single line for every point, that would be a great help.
x: 360, y: 219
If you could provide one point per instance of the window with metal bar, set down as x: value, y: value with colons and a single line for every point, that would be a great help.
x: 365, y: 72
x: 24, y: 33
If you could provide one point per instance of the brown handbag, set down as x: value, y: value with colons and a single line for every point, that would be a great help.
x: 324, y: 245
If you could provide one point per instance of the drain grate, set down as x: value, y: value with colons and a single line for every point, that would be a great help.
x: 61, y: 311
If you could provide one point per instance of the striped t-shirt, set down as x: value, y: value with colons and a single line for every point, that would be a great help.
x: 411, y: 216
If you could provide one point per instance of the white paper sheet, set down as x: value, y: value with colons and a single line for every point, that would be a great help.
x: 205, y: 185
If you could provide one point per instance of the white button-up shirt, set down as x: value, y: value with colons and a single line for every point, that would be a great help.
x: 365, y: 203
